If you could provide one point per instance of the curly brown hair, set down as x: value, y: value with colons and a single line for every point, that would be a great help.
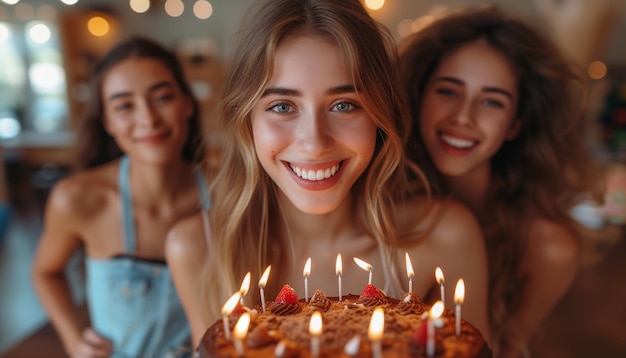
x: 545, y: 169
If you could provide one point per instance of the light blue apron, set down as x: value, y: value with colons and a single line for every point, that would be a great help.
x: 133, y: 302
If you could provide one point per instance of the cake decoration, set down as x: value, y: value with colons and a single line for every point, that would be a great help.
x: 286, y: 302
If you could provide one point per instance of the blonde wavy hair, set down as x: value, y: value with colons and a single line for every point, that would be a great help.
x: 244, y: 196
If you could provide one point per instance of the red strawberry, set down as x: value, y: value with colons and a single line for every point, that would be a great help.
x: 238, y: 310
x: 371, y: 292
x: 287, y: 295
x: 420, y: 335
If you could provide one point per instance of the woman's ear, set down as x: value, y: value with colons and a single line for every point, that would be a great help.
x: 514, y: 129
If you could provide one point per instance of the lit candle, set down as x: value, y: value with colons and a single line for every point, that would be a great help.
x: 459, y: 296
x: 365, y: 266
x: 262, y: 283
x: 440, y: 281
x: 338, y: 271
x: 245, y: 286
x: 435, y: 312
x: 375, y: 331
x: 306, y: 272
x: 228, y: 307
x: 409, y: 271
x: 315, y: 330
x: 240, y: 332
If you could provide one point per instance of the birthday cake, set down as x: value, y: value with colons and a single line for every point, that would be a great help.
x: 283, y: 329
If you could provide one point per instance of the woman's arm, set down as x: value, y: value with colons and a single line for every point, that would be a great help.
x: 548, y: 269
x: 185, y: 252
x: 58, y: 242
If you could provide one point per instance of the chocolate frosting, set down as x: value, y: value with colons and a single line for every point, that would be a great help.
x: 285, y: 309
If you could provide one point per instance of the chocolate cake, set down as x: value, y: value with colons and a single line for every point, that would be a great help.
x: 283, y: 330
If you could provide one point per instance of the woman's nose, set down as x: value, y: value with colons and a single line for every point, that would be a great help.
x: 463, y: 113
x: 314, y: 132
x: 147, y: 115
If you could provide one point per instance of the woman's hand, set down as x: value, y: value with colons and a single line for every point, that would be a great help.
x: 91, y: 345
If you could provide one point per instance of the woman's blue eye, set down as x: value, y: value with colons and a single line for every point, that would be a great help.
x: 494, y: 103
x: 343, y: 107
x: 281, y: 108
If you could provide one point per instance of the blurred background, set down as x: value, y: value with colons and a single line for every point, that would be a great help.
x: 47, y: 48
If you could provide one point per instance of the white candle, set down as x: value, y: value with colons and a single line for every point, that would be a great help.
x: 245, y: 286
x: 435, y: 312
x: 365, y: 266
x: 338, y: 270
x: 315, y: 330
x: 240, y: 332
x: 262, y: 283
x: 306, y: 272
x: 440, y: 281
x: 227, y: 309
x: 409, y: 271
x: 459, y: 297
x: 376, y: 330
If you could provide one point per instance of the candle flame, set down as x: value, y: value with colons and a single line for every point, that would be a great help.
x: 364, y: 265
x: 338, y: 268
x: 409, y: 267
x: 459, y: 291
x: 265, y: 276
x: 439, y: 275
x: 307, y: 268
x: 436, y: 310
x: 241, y: 328
x: 245, y: 285
x: 230, y: 305
x: 377, y: 325
x: 315, y: 326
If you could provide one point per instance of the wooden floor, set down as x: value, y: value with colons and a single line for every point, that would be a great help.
x: 590, y: 321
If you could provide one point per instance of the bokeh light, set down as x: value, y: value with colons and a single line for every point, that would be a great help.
x: 39, y: 33
x: 174, y: 8
x: 140, y: 6
x: 46, y: 12
x: 202, y: 9
x: 374, y: 4
x: 98, y: 26
x: 4, y: 32
x: 24, y: 11
x: 597, y: 70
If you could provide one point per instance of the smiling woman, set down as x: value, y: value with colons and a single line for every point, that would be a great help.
x: 496, y: 108
x: 314, y: 165
x: 138, y: 140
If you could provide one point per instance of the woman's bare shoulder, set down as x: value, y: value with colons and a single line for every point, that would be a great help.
x: 446, y: 220
x: 187, y: 237
x: 84, y: 194
x: 552, y: 245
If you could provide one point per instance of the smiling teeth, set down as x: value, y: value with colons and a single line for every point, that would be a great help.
x: 315, y: 175
x: 457, y: 143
